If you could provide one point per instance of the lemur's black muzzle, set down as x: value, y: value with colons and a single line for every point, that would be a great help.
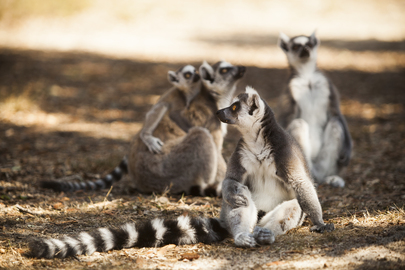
x: 304, y: 53
x: 240, y: 72
x: 196, y: 78
x: 225, y: 116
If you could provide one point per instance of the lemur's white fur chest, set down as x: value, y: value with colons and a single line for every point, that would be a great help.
x: 267, y: 189
x: 311, y: 92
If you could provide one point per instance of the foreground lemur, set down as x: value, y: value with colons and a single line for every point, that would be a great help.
x: 179, y: 146
x: 309, y: 110
x: 266, y: 172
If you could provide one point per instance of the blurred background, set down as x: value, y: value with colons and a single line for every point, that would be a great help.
x: 78, y: 76
x: 362, y: 35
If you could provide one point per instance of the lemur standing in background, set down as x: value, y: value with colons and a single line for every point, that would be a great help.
x: 309, y: 109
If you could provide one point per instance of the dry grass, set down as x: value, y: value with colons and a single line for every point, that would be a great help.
x: 95, y: 117
x: 377, y: 236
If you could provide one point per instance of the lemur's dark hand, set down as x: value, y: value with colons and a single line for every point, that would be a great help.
x: 235, y: 194
x: 239, y: 200
x: 154, y: 144
x: 323, y: 228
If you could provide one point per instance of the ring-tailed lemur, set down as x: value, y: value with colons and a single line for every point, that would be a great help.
x: 272, y: 175
x: 309, y: 110
x: 181, y: 126
x: 186, y: 85
x: 267, y: 172
x: 177, y: 166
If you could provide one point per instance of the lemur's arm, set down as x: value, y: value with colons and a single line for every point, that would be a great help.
x: 346, y: 150
x: 287, y: 109
x: 152, y: 119
x: 298, y: 177
x: 334, y: 111
x: 232, y: 186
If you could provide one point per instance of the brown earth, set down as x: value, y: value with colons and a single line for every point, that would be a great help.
x: 73, y: 114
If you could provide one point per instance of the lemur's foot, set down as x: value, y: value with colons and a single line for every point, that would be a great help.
x: 323, y: 228
x: 335, y: 181
x: 263, y: 236
x: 245, y: 240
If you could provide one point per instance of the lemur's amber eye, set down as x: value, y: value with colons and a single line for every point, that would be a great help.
x: 296, y: 47
x: 187, y: 75
x: 233, y: 107
x: 224, y: 70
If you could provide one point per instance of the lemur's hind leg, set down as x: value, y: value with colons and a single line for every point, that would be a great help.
x: 239, y: 214
x: 284, y: 217
x: 186, y: 165
x: 216, y: 188
x: 195, y: 160
x: 325, y: 166
x: 299, y: 129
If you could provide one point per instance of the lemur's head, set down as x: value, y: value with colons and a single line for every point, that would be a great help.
x: 185, y: 78
x: 299, y: 49
x: 245, y: 111
x: 221, y: 78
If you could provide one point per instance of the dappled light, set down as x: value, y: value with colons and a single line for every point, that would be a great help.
x: 77, y: 79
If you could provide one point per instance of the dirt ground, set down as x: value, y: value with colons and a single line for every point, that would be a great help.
x: 73, y: 114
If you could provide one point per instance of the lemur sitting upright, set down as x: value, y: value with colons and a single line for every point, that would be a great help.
x: 267, y: 172
x: 309, y: 110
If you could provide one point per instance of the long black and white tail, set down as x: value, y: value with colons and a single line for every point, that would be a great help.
x: 153, y: 233
x: 105, y: 182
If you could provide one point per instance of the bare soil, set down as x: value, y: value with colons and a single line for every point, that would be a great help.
x: 73, y: 114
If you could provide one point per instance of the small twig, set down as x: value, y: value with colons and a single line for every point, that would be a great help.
x: 75, y: 257
x: 108, y: 193
x: 27, y: 211
x: 167, y: 190
x: 106, y: 196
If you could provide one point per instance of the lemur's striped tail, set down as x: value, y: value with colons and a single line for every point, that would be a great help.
x: 153, y: 233
x: 105, y: 182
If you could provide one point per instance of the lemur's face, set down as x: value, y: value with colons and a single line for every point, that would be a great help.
x: 221, y: 77
x: 184, y: 78
x: 299, y: 48
x: 245, y: 111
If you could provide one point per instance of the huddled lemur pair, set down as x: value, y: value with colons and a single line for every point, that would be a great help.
x: 180, y: 145
x: 269, y: 173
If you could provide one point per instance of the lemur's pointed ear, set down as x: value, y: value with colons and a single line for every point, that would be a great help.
x: 250, y: 90
x: 283, y: 40
x: 172, y: 77
x: 313, y: 39
x: 254, y: 99
x: 206, y: 72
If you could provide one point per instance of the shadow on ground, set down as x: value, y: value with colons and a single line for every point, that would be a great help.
x: 99, y: 90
